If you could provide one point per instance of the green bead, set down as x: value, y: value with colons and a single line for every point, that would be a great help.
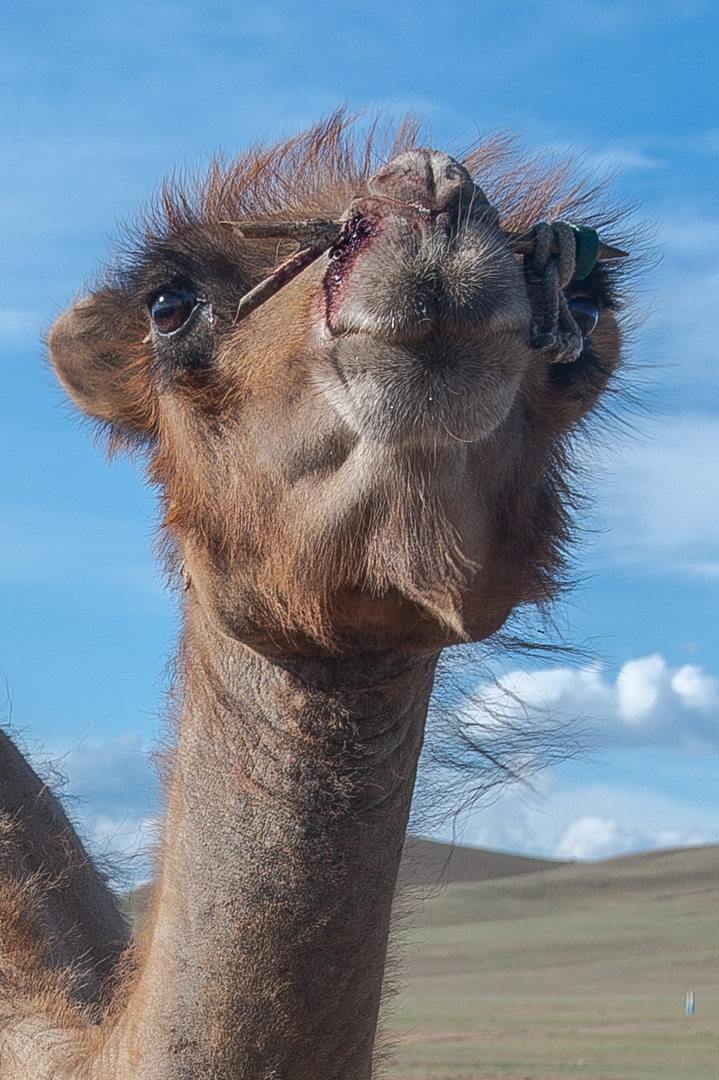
x: 587, y: 241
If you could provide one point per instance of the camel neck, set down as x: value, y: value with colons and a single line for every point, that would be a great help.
x: 287, y: 808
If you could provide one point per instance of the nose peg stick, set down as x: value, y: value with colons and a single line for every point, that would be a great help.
x: 317, y: 235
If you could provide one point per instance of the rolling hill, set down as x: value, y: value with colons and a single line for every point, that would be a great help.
x: 574, y: 970
x: 427, y: 862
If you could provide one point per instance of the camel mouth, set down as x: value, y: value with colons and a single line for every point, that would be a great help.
x: 422, y: 316
x: 405, y: 272
x: 422, y: 322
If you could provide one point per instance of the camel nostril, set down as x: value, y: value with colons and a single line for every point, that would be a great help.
x: 429, y: 180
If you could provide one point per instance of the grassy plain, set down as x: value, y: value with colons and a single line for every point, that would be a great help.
x: 573, y: 971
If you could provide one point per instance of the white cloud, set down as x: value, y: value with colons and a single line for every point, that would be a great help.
x: 586, y: 836
x: 648, y: 704
x: 593, y: 821
x: 650, y: 781
x: 638, y: 688
x: 625, y: 158
x: 112, y: 787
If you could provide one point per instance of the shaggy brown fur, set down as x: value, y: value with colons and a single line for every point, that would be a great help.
x: 370, y: 467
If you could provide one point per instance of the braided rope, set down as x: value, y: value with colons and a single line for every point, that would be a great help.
x: 557, y: 337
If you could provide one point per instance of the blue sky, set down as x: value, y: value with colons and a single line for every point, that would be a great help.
x: 100, y: 100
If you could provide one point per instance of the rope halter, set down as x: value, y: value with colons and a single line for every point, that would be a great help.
x: 562, y: 253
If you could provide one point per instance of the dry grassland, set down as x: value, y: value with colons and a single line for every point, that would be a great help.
x: 573, y: 971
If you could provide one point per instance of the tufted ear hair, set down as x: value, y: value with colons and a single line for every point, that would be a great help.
x: 99, y: 356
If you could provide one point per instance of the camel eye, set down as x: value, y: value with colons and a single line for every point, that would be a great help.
x: 585, y: 313
x: 170, y: 310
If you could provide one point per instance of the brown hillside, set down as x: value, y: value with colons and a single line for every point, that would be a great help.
x: 428, y: 862
x: 577, y: 971
x: 652, y: 875
x: 479, y: 885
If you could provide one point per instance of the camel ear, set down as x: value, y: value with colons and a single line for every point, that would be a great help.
x: 99, y: 356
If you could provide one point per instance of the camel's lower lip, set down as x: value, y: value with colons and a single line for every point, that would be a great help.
x: 442, y: 389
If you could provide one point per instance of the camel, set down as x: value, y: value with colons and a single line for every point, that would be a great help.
x: 363, y: 467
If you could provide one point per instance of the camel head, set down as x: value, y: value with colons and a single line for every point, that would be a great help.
x: 374, y: 457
